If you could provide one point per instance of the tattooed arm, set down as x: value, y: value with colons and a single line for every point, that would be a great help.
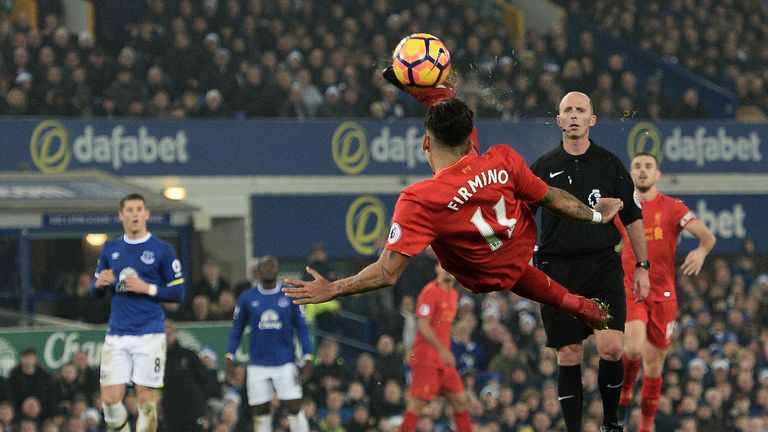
x: 384, y: 272
x: 564, y: 204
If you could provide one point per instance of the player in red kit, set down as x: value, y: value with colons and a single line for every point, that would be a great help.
x: 474, y: 213
x: 650, y: 322
x: 432, y: 363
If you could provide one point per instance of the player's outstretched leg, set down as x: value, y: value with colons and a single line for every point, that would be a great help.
x: 537, y: 286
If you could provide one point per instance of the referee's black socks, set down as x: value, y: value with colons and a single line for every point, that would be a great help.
x: 570, y: 393
x: 610, y: 377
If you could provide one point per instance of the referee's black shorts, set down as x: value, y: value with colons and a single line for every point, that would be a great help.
x: 596, y: 276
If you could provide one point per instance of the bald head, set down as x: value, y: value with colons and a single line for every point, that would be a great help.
x: 575, y: 117
x: 576, y: 99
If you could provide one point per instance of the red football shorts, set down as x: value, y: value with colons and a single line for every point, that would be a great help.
x: 658, y: 317
x: 428, y: 382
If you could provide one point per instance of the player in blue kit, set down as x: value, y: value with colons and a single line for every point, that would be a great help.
x: 141, y: 271
x: 274, y: 321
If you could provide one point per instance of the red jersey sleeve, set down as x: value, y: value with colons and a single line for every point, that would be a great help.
x: 683, y: 214
x: 412, y: 229
x: 425, y: 304
x: 529, y: 187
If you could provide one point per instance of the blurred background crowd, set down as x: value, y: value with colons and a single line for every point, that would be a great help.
x: 715, y: 379
x: 308, y: 59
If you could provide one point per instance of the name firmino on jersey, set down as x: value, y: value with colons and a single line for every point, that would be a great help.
x: 485, y: 178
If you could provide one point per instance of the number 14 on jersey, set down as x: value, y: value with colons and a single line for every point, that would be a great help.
x: 485, y: 229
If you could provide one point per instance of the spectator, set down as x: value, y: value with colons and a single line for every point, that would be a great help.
x: 214, y: 105
x: 294, y: 106
x: 87, y: 375
x: 322, y: 317
x: 367, y: 375
x: 126, y: 89
x: 389, y: 361
x: 160, y: 105
x: 256, y: 96
x: 224, y: 308
x: 183, y: 61
x: 66, y: 387
x: 8, y: 418
x: 16, y: 103
x: 331, y: 106
x: 30, y: 379
x: 212, y: 282
x: 251, y: 281
x: 79, y: 305
x: 392, y: 404
x: 361, y: 420
x: 690, y: 106
x: 108, y: 105
x: 408, y: 317
x: 330, y: 372
x: 318, y: 260
x: 187, y: 386
x: 506, y: 361
x: 469, y: 354
x: 201, y: 308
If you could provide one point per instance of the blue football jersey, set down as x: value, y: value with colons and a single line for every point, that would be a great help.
x: 274, y: 320
x: 154, y: 262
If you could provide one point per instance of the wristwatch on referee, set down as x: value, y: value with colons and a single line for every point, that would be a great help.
x: 643, y: 264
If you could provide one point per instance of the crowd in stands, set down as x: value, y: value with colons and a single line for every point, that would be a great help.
x: 313, y: 59
x: 715, y: 379
x: 723, y: 41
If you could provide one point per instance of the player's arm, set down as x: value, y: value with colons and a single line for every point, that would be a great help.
x: 695, y: 258
x: 236, y: 333
x: 562, y: 203
x: 424, y: 327
x: 170, y: 272
x: 103, y: 278
x: 302, y: 332
x: 174, y: 288
x: 632, y: 218
x: 383, y: 273
x: 306, y: 366
x: 641, y: 284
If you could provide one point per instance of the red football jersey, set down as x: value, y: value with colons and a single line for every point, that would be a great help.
x: 439, y: 307
x: 475, y: 216
x: 664, y: 218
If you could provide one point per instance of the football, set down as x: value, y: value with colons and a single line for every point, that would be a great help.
x: 421, y: 60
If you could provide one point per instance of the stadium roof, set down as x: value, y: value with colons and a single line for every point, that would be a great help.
x: 26, y: 197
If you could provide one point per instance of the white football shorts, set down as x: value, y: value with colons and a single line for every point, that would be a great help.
x: 136, y: 359
x: 264, y: 381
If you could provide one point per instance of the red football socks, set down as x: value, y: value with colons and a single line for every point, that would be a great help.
x: 651, y: 394
x: 463, y: 422
x: 631, y: 369
x: 410, y: 420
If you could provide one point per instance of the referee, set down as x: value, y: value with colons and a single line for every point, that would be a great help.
x: 582, y: 257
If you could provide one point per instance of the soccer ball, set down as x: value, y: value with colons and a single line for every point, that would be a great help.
x: 421, y: 60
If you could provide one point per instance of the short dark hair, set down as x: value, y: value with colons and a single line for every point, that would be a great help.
x: 450, y: 122
x: 650, y: 155
x: 133, y: 196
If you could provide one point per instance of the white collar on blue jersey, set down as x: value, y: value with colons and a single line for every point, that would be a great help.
x: 136, y: 241
x: 274, y: 290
